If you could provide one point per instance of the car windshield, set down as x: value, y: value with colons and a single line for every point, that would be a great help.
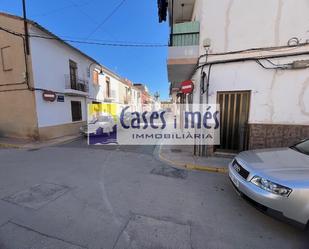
x: 103, y: 119
x: 302, y: 147
x: 93, y: 121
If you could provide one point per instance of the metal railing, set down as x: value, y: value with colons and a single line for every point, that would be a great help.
x: 75, y: 83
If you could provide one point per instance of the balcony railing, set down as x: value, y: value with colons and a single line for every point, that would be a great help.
x: 77, y: 84
x: 185, y: 34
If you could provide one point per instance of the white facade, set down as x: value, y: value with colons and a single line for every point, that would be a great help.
x: 237, y: 24
x: 136, y: 99
x: 278, y: 96
x: 98, y: 92
x: 50, y: 66
x: 248, y: 46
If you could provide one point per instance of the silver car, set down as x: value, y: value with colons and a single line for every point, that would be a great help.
x: 275, y: 180
x: 99, y: 125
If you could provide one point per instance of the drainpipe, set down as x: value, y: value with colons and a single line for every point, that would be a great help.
x: 26, y: 27
x: 172, y: 26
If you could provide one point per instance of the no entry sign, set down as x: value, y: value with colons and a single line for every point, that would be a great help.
x: 49, y: 96
x: 187, y: 86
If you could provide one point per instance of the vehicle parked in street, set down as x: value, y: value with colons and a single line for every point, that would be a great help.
x: 103, y: 124
x: 275, y: 180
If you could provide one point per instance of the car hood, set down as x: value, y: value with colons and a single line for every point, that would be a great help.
x: 284, y: 164
x: 99, y: 124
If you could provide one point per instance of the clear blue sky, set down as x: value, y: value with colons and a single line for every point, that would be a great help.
x: 135, y: 21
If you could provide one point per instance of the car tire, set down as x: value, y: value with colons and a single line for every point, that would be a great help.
x: 99, y: 131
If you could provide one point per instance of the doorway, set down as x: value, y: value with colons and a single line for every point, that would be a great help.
x: 234, y: 115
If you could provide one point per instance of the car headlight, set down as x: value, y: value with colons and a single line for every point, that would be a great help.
x: 271, y: 186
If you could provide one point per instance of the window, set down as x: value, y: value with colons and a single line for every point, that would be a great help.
x: 95, y: 77
x: 76, y: 109
x: 108, y: 93
x: 73, y: 74
x: 7, y: 64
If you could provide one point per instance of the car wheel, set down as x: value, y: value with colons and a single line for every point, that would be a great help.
x: 99, y: 131
x: 307, y: 226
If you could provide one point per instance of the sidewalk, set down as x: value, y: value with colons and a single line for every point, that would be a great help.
x: 182, y: 157
x: 18, y: 143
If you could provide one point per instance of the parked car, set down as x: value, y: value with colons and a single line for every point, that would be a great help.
x: 275, y: 180
x: 104, y: 124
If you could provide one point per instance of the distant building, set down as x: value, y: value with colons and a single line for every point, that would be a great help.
x: 167, y: 105
x: 146, y: 98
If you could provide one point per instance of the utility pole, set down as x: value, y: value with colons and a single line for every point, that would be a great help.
x: 26, y: 27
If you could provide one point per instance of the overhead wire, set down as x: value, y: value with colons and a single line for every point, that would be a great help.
x: 106, y: 19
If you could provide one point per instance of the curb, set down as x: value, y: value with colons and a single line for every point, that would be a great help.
x: 190, y: 166
x: 41, y: 145
x: 10, y: 146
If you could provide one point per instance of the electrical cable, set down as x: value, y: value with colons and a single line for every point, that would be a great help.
x: 107, y: 18
x: 266, y: 49
x: 107, y: 41
x: 113, y: 44
x: 110, y: 44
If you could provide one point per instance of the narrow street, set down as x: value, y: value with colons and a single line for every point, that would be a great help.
x: 75, y: 196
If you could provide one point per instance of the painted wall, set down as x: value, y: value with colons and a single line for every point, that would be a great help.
x: 50, y: 60
x: 277, y: 96
x: 136, y: 99
x: 98, y: 92
x: 237, y: 24
x: 17, y: 107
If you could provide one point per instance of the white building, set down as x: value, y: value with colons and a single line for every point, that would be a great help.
x: 54, y: 82
x: 252, y: 58
x: 136, y: 99
x: 53, y: 100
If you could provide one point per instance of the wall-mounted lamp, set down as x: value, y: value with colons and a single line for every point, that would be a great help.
x: 101, y: 71
x: 89, y: 69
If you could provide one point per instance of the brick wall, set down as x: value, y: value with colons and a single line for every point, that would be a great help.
x: 273, y: 135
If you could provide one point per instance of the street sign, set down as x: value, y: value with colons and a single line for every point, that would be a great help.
x: 49, y: 96
x: 187, y: 86
x: 60, y: 98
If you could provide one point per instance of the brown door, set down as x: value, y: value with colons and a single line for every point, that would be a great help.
x: 234, y: 115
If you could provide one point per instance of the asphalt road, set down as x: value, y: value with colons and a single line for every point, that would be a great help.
x: 75, y: 196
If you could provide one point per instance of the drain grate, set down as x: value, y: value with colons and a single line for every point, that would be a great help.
x: 170, y: 172
x: 37, y: 196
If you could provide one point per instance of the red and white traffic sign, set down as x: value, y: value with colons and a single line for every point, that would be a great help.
x: 187, y: 86
x: 49, y: 96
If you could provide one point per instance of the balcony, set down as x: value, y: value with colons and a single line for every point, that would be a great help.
x: 110, y: 98
x: 183, y: 51
x: 76, y: 86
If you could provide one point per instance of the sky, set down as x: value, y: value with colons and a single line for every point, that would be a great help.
x: 134, y: 21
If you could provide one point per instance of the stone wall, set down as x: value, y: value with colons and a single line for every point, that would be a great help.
x: 275, y: 135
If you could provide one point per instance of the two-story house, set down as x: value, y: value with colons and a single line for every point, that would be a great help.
x: 43, y: 92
